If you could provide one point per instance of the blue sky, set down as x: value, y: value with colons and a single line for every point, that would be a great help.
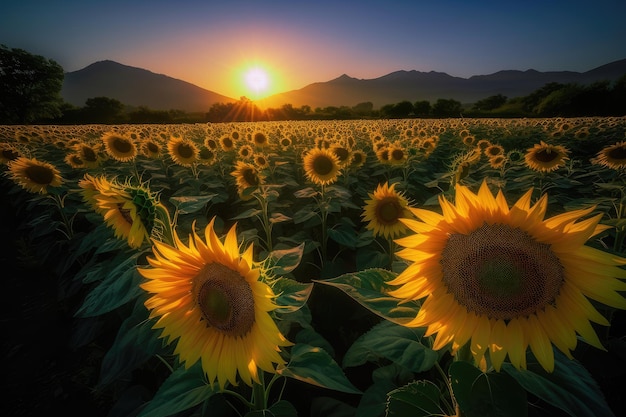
x: 212, y: 44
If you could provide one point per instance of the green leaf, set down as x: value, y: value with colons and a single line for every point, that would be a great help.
x: 191, y: 204
x: 397, y: 343
x: 344, y: 235
x: 369, y: 288
x: 283, y: 261
x: 481, y: 394
x: 570, y: 387
x: 119, y: 287
x: 309, y: 336
x: 304, y: 214
x: 136, y: 342
x: 291, y: 295
x: 374, y: 400
x: 417, y: 399
x: 183, y: 389
x: 247, y: 214
x: 315, y: 366
x: 279, y: 218
x: 306, y: 193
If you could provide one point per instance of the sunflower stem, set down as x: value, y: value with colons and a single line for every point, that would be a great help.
x: 324, y: 216
x: 240, y: 397
x: 392, y: 249
x: 259, y: 398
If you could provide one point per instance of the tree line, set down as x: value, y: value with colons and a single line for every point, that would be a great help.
x: 30, y: 92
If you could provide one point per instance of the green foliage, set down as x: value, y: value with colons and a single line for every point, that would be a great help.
x: 352, y: 354
x: 30, y: 87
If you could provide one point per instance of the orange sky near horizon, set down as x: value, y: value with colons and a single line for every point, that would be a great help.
x: 213, y: 44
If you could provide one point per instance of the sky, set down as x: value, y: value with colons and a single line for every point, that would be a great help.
x: 214, y: 44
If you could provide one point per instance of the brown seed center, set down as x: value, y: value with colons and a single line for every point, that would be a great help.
x: 225, y: 299
x: 500, y: 271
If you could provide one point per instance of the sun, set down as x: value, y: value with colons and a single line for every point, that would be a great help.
x: 257, y: 80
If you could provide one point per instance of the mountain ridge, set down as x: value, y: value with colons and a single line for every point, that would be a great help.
x: 136, y: 87
x: 140, y: 87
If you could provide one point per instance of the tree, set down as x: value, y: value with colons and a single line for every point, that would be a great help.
x: 490, y: 103
x: 103, y: 110
x: 447, y: 108
x: 421, y: 108
x: 30, y: 87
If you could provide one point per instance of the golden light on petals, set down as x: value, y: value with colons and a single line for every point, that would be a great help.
x: 321, y: 166
x: 182, y: 151
x: 383, y: 211
x: 212, y: 302
x: 613, y: 156
x: 543, y: 157
x: 33, y: 175
x: 119, y: 147
x: 513, y: 278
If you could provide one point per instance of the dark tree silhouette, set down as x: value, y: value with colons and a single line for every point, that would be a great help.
x: 30, y: 87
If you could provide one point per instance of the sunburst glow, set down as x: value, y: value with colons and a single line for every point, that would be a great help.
x: 257, y: 80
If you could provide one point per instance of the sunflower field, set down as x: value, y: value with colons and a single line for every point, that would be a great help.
x: 414, y: 267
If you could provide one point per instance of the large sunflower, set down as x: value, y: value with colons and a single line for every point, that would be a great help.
x: 384, y: 210
x: 214, y: 302
x: 33, y: 175
x: 321, y: 166
x: 544, y: 157
x: 612, y: 156
x: 504, y: 279
x: 128, y: 210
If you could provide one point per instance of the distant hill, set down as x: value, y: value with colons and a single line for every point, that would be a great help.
x: 430, y: 86
x: 136, y: 87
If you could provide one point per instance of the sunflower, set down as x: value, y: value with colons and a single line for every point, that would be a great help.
x: 397, y: 155
x: 227, y: 143
x: 88, y: 154
x: 211, y: 143
x: 247, y: 176
x: 494, y: 150
x: 33, y: 175
x: 504, y: 279
x: 384, y: 210
x: 483, y: 144
x: 261, y: 161
x: 74, y: 160
x: 497, y: 162
x: 358, y: 158
x: 469, y: 140
x: 245, y: 152
x: 119, y: 147
x: 543, y: 157
x: 321, y: 166
x: 151, y: 148
x: 128, y: 210
x: 260, y: 139
x: 183, y: 151
x: 206, y: 156
x: 8, y: 153
x: 214, y: 302
x: 285, y: 143
x: 342, y: 153
x: 613, y: 156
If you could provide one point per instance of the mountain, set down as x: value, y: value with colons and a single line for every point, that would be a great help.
x: 430, y: 86
x: 136, y: 87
